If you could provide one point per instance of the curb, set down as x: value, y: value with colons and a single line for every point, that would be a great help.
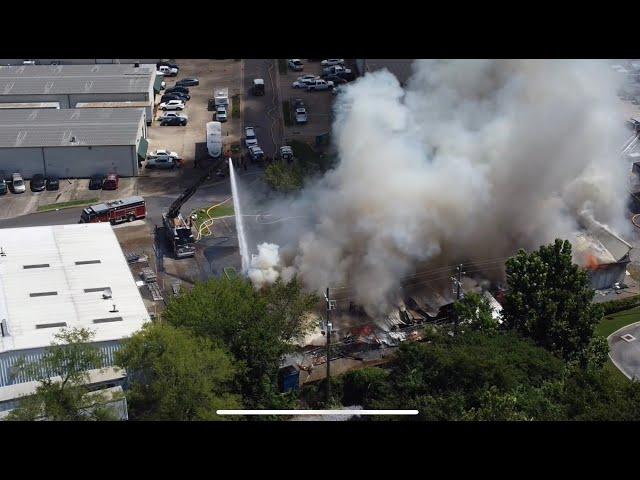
x: 609, y: 354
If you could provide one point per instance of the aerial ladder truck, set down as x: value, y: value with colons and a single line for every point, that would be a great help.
x: 178, y: 229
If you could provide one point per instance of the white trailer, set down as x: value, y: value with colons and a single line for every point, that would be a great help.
x: 214, y: 139
x: 221, y: 96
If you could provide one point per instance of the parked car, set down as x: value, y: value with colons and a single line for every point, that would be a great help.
x: 53, y: 183
x: 303, y: 82
x: 301, y: 115
x: 111, y: 182
x: 175, y: 96
x: 38, y: 183
x: 336, y: 70
x: 172, y: 105
x: 162, y: 162
x: 177, y: 88
x: 258, y: 86
x: 332, y: 61
x: 96, y: 181
x: 173, y: 122
x: 168, y: 71
x: 256, y: 153
x: 320, y: 85
x: 296, y: 65
x: 172, y: 114
x: 335, y: 79
x: 3, y: 183
x: 286, y: 153
x: 168, y: 64
x: 250, y: 138
x: 17, y: 183
x: 307, y: 77
x: 221, y: 114
x: 188, y: 82
x: 161, y: 153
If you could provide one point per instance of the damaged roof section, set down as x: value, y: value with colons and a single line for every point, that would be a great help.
x: 598, y: 247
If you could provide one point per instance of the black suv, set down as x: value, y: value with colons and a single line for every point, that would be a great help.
x: 175, y: 96
x: 96, y: 181
x: 173, y: 121
x: 38, y: 183
x: 53, y: 183
x: 177, y: 88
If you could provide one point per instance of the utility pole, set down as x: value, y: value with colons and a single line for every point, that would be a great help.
x: 331, y: 305
x: 458, y: 283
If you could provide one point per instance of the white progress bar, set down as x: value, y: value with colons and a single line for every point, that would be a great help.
x: 317, y: 412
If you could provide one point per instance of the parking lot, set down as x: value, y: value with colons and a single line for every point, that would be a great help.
x: 318, y: 105
x: 189, y: 142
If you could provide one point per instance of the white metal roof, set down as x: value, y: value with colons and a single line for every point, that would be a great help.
x: 75, y: 79
x: 69, y: 127
x: 28, y: 316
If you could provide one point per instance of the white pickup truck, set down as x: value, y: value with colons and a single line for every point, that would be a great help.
x: 319, y: 85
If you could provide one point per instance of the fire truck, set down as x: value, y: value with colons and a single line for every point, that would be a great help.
x: 116, y: 211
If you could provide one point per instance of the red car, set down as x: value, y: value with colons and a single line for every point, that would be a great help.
x: 111, y: 183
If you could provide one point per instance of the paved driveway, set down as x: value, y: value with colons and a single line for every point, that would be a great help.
x: 264, y: 112
x: 626, y: 355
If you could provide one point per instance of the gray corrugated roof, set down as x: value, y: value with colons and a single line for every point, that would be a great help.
x: 69, y: 79
x: 51, y: 127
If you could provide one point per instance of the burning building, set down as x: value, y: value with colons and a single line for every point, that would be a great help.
x: 603, y: 254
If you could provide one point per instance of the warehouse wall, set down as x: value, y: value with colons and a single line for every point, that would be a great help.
x: 26, y: 161
x: 606, y: 277
x: 82, y: 162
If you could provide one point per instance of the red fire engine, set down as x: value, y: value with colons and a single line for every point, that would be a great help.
x: 116, y: 211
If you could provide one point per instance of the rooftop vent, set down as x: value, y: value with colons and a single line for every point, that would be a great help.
x: 2, y: 254
x: 51, y: 325
x: 38, y: 265
x: 88, y: 262
x: 43, y: 294
x: 4, y: 331
x: 97, y: 289
x: 107, y: 320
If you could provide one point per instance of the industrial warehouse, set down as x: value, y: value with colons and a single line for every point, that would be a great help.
x: 69, y: 85
x: 72, y: 143
x: 62, y: 276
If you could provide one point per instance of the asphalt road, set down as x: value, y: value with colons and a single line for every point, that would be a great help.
x: 264, y: 112
x: 626, y: 355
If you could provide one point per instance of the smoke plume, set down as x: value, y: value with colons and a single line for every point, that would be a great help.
x: 472, y: 160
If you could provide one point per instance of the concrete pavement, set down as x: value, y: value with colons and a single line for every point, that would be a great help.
x: 626, y: 354
x: 264, y: 112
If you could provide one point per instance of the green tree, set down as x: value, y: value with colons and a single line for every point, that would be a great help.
x: 284, y: 178
x: 62, y: 371
x: 475, y: 310
x: 257, y: 326
x: 549, y: 300
x: 495, y: 406
x: 177, y: 375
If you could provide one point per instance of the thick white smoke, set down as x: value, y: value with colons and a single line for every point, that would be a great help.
x: 474, y: 159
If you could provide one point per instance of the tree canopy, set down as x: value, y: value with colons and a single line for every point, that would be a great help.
x: 549, y: 299
x: 475, y: 311
x: 256, y: 326
x: 177, y: 375
x: 475, y: 376
x: 63, y: 394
